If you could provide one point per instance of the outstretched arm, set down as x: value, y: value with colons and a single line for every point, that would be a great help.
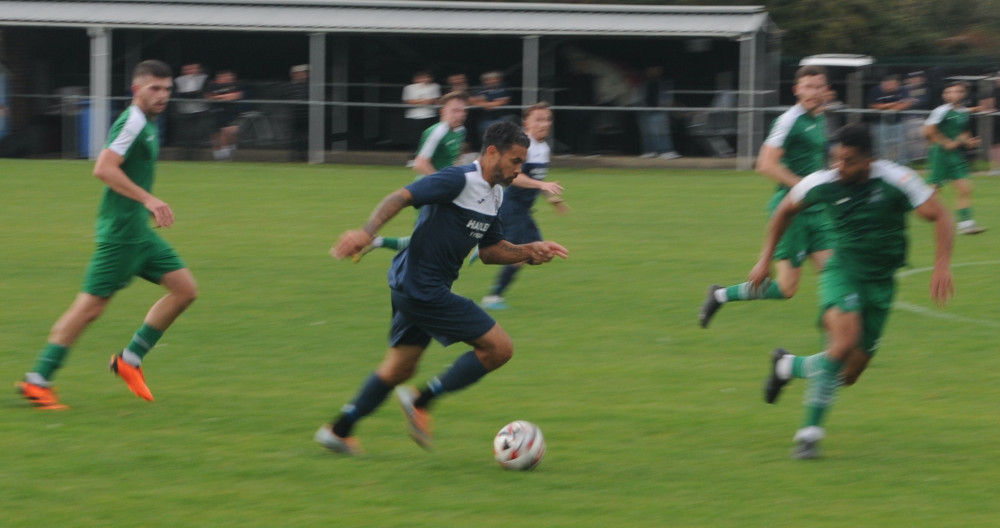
x: 942, y: 285
x: 353, y: 241
x: 504, y: 252
x: 552, y: 190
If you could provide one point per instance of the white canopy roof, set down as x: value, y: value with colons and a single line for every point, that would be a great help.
x: 379, y: 16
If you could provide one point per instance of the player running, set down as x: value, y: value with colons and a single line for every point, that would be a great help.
x: 459, y: 208
x: 126, y: 245
x: 795, y: 148
x: 947, y: 128
x: 518, y: 223
x: 867, y: 201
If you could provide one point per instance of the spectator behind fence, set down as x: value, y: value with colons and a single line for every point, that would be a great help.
x: 457, y: 82
x: 420, y: 95
x: 918, y: 96
x: 192, y: 111
x: 988, y: 104
x: 490, y: 97
x: 889, y: 97
x: 226, y: 91
x: 298, y: 90
x: 654, y: 126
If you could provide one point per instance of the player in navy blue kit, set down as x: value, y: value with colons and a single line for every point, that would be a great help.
x: 518, y: 224
x: 459, y: 208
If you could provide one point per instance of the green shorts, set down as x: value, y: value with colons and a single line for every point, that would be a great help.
x: 809, y: 233
x: 873, y: 298
x: 946, y: 165
x: 112, y: 266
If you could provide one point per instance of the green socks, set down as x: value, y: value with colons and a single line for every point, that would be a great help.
x: 964, y: 214
x: 397, y: 244
x: 143, y: 340
x: 52, y: 356
x: 745, y: 292
x: 824, y: 378
x: 49, y: 360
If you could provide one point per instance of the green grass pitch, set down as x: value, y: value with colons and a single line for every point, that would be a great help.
x: 650, y: 420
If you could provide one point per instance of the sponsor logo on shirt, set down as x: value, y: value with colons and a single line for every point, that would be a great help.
x: 477, y: 228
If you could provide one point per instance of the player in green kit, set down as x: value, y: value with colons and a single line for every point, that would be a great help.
x: 947, y: 128
x: 127, y: 246
x: 868, y: 202
x: 440, y: 146
x: 795, y: 147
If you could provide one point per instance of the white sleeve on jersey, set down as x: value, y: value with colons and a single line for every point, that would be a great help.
x: 798, y: 192
x: 134, y: 124
x: 937, y: 115
x: 782, y: 126
x: 435, y: 137
x: 904, y: 179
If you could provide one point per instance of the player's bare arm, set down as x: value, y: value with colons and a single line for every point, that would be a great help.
x: 769, y: 164
x: 527, y: 182
x: 968, y: 140
x: 942, y: 284
x: 934, y: 135
x: 423, y: 165
x: 351, y: 242
x: 504, y: 252
x: 779, y: 223
x: 108, y: 170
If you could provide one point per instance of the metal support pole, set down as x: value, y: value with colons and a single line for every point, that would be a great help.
x: 317, y: 95
x: 100, y: 88
x: 747, y: 102
x: 529, y: 62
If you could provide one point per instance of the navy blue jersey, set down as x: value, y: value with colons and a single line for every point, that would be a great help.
x: 458, y: 210
x: 536, y: 167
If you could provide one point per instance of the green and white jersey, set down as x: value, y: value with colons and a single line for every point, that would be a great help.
x: 441, y: 144
x: 803, y: 138
x: 869, y: 218
x: 950, y: 120
x: 122, y: 220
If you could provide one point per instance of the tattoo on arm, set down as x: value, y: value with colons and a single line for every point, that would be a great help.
x: 389, y: 207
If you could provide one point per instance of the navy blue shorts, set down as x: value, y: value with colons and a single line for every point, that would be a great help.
x: 448, y: 321
x: 519, y: 227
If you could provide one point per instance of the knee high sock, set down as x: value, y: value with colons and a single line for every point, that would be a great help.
x: 398, y: 244
x: 465, y: 371
x: 49, y: 360
x: 371, y: 394
x: 823, y: 373
x: 745, y: 292
x: 145, y: 338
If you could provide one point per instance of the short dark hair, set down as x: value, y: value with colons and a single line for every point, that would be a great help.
x: 963, y: 84
x: 542, y: 105
x: 503, y: 135
x: 155, y: 68
x: 453, y: 95
x: 855, y: 135
x: 809, y: 71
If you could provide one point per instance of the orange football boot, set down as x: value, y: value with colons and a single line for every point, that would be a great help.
x: 43, y: 398
x: 132, y: 376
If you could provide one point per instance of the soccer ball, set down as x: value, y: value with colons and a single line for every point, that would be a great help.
x: 519, y: 446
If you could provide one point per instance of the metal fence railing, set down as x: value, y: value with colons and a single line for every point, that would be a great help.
x: 59, y: 125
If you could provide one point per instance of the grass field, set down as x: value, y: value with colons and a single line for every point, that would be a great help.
x: 650, y: 420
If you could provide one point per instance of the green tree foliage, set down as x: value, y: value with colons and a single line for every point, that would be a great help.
x: 872, y: 27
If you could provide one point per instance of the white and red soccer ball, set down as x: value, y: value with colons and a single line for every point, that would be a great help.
x: 519, y: 446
